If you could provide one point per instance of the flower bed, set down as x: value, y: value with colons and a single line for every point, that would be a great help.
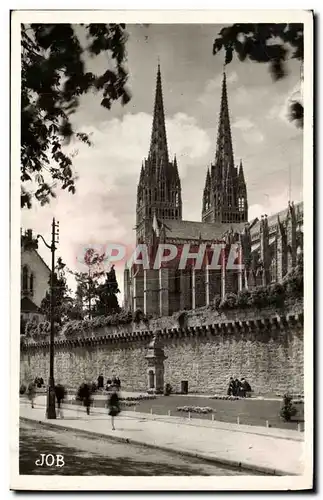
x: 141, y: 397
x: 196, y: 409
x: 229, y: 398
x: 127, y: 403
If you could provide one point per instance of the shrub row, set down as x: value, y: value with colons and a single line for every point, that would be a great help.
x: 195, y: 409
x: 263, y: 296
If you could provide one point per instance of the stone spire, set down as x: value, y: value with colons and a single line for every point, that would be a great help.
x: 225, y: 192
x: 159, y: 189
x: 241, y: 174
x: 224, y: 151
x: 158, y: 152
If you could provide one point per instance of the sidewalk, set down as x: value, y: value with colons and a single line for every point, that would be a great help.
x: 267, y: 450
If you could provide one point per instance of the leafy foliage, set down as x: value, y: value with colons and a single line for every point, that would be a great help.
x: 182, y: 319
x: 270, y: 295
x: 87, y: 325
x: 62, y: 302
x: 53, y: 79
x: 107, y: 295
x: 139, y: 316
x: 229, y: 301
x: 288, y: 410
x: 265, y: 43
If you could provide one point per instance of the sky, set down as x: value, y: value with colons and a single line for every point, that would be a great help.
x: 270, y: 147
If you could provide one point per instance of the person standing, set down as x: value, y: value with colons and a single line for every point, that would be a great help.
x: 32, y: 393
x: 114, y: 405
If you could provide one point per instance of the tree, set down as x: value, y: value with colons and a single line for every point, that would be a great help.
x: 88, y: 282
x: 265, y: 43
x: 53, y: 78
x: 107, y: 295
x: 62, y: 301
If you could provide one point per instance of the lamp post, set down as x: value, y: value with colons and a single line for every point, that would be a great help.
x: 50, y: 407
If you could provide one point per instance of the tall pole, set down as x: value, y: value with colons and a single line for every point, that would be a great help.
x: 50, y: 405
x: 51, y: 412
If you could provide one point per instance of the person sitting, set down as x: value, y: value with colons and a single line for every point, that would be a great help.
x: 245, y: 388
x: 236, y: 390
x: 231, y: 387
x: 108, y: 386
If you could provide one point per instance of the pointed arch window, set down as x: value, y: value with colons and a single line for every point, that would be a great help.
x: 25, y: 279
x: 31, y: 283
x: 241, y: 204
x: 176, y: 199
x: 162, y: 192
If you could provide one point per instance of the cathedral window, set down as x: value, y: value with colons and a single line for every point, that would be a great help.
x: 25, y: 278
x: 31, y: 283
x: 241, y: 204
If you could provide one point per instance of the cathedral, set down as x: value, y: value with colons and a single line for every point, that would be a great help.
x: 268, y: 247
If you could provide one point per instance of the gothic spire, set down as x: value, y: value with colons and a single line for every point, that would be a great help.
x: 158, y: 145
x: 176, y: 169
x: 224, y: 150
x: 241, y: 174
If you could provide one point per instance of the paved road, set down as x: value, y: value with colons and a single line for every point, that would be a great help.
x: 94, y: 457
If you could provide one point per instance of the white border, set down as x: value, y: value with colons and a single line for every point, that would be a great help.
x: 161, y: 483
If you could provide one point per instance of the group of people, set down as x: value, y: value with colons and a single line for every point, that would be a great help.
x: 239, y: 388
x: 113, y: 382
x: 84, y: 394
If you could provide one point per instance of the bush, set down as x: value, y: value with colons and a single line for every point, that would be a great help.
x: 22, y: 389
x: 243, y: 299
x: 229, y: 302
x: 182, y: 319
x: 168, y: 390
x: 276, y: 295
x: 259, y: 297
x: 288, y: 410
x: 216, y: 302
x: 138, y: 316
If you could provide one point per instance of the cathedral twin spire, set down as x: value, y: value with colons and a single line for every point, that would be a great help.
x: 225, y: 193
x: 159, y: 188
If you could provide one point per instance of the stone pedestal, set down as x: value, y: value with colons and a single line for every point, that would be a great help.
x: 155, y: 371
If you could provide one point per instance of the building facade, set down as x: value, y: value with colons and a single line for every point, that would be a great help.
x: 35, y: 275
x: 267, y: 247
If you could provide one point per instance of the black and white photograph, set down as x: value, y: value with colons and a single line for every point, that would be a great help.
x: 161, y: 250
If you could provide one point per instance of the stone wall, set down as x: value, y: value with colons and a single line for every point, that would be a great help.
x: 265, y: 347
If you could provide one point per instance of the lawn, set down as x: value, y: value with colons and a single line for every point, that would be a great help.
x: 250, y: 412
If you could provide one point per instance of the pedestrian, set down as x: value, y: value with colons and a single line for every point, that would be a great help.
x: 100, y: 381
x: 60, y: 393
x: 114, y: 406
x: 118, y: 383
x: 86, y: 396
x: 32, y: 393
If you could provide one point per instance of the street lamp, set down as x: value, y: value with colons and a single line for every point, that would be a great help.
x: 50, y: 406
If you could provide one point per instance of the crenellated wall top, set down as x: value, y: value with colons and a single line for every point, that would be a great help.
x: 203, y: 322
